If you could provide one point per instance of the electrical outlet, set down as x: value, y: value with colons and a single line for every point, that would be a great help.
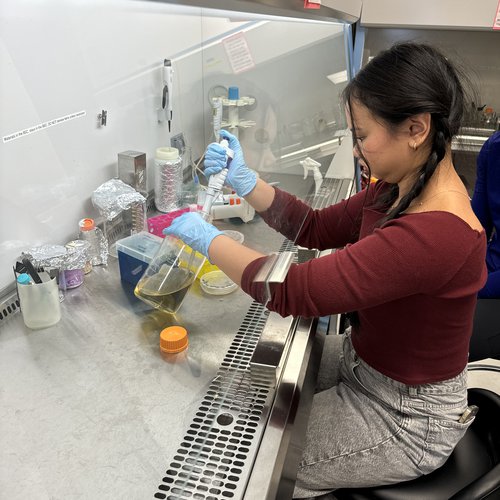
x: 178, y: 141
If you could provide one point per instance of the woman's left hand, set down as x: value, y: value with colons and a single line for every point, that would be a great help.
x: 194, y: 231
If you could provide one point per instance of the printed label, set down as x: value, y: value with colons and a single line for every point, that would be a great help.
x: 238, y: 53
x: 42, y: 126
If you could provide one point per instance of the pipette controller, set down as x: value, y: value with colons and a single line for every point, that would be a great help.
x: 216, y: 182
x: 167, y: 90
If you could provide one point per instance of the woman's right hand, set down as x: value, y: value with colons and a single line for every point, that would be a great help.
x: 239, y: 176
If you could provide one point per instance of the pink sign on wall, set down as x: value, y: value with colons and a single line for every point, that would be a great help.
x: 238, y: 53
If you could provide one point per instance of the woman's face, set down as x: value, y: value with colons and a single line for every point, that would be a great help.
x: 387, y: 152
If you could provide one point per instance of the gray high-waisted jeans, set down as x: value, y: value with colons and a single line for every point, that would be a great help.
x: 366, y: 429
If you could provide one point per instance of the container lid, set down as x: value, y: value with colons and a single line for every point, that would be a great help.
x: 233, y: 93
x: 167, y: 153
x: 86, y: 224
x: 77, y: 244
x: 23, y: 279
x: 217, y: 283
x: 142, y: 246
x: 173, y: 339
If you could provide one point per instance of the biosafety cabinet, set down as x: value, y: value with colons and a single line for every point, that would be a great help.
x: 90, y: 407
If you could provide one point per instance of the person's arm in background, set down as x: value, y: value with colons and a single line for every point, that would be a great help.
x: 480, y: 203
x: 486, y: 205
x: 491, y: 289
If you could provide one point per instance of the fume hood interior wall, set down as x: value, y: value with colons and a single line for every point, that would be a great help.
x: 478, y: 52
x: 62, y: 57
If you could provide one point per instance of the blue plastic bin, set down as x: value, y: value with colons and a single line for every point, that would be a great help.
x: 135, y: 253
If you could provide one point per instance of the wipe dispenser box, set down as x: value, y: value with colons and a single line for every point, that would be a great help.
x: 135, y: 253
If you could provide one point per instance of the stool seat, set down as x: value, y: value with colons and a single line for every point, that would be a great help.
x: 471, y: 472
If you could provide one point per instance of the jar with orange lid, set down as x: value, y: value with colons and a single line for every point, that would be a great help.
x: 98, y: 245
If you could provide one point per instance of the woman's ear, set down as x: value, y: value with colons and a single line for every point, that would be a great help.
x: 418, y: 128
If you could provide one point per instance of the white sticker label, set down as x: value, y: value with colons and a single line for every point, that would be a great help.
x: 496, y: 22
x: 238, y: 53
x: 42, y: 126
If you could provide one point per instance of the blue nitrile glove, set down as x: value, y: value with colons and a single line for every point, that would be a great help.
x: 194, y: 231
x: 239, y: 176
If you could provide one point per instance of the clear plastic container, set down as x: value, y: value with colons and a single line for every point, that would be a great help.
x: 98, y: 251
x: 217, y: 283
x: 135, y: 253
x: 169, y: 276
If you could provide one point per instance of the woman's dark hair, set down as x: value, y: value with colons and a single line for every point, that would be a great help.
x: 403, y: 81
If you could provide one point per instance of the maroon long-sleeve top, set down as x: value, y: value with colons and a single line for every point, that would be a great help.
x: 413, y: 281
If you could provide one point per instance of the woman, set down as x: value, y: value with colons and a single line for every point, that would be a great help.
x: 411, y: 260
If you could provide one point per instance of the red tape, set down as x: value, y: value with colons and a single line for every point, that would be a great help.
x: 312, y: 4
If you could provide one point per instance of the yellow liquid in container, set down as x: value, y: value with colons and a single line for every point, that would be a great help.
x: 166, y: 289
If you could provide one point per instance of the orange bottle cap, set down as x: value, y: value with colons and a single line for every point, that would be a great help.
x: 86, y: 224
x: 173, y: 339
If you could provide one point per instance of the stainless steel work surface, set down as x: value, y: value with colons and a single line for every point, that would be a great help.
x: 90, y: 408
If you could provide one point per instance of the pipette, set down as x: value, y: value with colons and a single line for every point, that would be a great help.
x: 216, y: 182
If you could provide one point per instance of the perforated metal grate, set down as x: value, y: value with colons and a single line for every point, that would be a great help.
x: 9, y: 305
x: 214, y: 459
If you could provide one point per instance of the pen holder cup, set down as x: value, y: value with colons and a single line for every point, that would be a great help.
x: 40, y: 305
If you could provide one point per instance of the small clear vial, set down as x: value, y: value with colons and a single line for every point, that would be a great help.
x: 98, y: 251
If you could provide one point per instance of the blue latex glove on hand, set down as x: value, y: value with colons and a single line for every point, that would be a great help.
x: 194, y: 231
x: 239, y: 176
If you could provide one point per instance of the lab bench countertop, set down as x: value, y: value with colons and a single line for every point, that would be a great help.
x: 90, y: 408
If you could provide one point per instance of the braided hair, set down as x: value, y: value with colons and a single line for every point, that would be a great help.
x: 408, y: 79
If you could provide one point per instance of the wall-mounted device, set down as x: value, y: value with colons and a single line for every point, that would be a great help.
x: 167, y: 92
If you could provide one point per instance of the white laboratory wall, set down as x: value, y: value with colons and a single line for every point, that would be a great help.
x: 61, y: 57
